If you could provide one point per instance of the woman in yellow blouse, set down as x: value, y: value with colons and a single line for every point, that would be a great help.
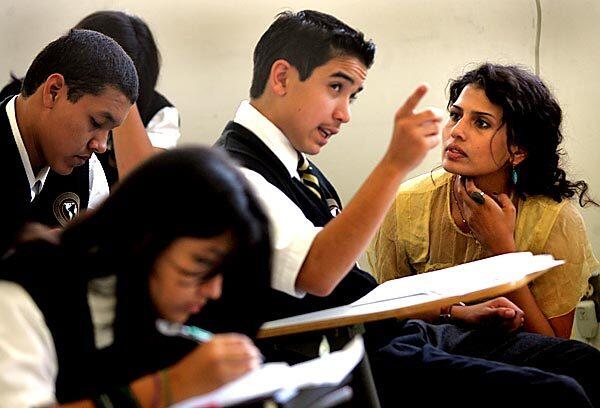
x: 501, y: 190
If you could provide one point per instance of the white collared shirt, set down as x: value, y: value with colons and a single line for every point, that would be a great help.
x: 163, y: 132
x: 36, y: 182
x: 250, y: 118
x: 98, y: 186
x: 292, y: 233
x: 163, y: 129
x: 97, y: 183
x: 28, y: 363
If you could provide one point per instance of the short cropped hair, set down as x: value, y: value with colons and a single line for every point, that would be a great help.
x: 306, y: 39
x: 89, y: 62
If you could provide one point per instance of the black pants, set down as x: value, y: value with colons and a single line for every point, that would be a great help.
x: 457, y: 366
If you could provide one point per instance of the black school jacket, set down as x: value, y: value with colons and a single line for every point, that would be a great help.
x: 245, y: 147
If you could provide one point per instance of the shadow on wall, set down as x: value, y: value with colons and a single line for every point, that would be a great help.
x: 586, y: 327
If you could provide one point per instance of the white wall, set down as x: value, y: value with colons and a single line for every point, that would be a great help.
x: 207, y: 51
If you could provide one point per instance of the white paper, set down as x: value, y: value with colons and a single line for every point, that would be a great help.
x: 327, y: 370
x: 461, y: 279
x: 331, y: 368
x: 428, y: 287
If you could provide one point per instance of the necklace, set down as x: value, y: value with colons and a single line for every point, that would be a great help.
x: 465, y: 224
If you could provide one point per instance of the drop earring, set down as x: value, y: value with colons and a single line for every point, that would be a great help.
x: 514, y: 175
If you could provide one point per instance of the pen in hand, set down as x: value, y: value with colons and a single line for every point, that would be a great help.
x: 197, y: 334
x: 194, y: 333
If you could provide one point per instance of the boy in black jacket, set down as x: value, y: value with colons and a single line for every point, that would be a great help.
x: 77, y: 89
x: 308, y: 67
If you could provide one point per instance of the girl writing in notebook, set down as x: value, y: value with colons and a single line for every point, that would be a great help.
x: 171, y: 252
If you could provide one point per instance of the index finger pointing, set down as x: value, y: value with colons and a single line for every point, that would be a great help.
x: 413, y: 100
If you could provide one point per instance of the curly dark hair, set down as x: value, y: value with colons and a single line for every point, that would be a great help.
x: 533, y: 119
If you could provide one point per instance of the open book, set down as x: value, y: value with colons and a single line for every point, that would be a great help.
x: 270, y: 378
x: 462, y: 279
x: 401, y: 298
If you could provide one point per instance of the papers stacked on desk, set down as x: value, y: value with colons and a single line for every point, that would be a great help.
x: 330, y: 369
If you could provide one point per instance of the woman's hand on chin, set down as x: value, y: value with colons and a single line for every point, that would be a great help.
x: 491, y: 219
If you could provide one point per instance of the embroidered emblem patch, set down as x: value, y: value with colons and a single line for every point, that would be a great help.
x: 66, y: 207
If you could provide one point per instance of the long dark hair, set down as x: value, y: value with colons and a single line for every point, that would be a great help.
x: 134, y: 35
x: 532, y: 117
x: 12, y: 88
x: 184, y: 192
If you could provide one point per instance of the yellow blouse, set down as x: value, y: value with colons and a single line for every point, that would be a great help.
x: 419, y: 235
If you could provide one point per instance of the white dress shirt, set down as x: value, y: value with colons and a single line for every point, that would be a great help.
x: 163, y: 129
x: 163, y: 132
x: 28, y: 363
x: 98, y: 186
x: 292, y: 233
x: 36, y: 182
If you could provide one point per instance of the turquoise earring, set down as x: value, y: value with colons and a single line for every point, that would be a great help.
x: 514, y: 176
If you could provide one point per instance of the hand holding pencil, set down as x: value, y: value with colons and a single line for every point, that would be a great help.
x: 220, y: 360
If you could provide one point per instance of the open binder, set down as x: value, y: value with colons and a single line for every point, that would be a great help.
x: 404, y: 297
x: 398, y: 298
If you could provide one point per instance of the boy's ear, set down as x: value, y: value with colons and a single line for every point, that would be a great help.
x: 52, y: 89
x: 279, y: 77
x: 517, y: 155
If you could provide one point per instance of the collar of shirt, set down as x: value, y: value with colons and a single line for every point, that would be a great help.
x: 249, y: 117
x: 40, y: 178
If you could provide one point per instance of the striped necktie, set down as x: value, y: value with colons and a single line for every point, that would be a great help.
x: 307, y: 176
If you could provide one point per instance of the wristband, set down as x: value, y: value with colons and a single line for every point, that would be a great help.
x: 166, y: 388
x: 157, y: 395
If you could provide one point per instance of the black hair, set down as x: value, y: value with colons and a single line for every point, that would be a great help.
x: 184, y: 192
x: 532, y: 117
x: 306, y: 39
x: 12, y: 88
x: 134, y: 35
x: 89, y: 61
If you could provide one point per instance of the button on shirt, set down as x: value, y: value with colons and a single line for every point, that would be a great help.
x: 292, y: 233
x: 36, y: 182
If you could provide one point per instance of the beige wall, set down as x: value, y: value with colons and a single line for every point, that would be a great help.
x: 207, y: 51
